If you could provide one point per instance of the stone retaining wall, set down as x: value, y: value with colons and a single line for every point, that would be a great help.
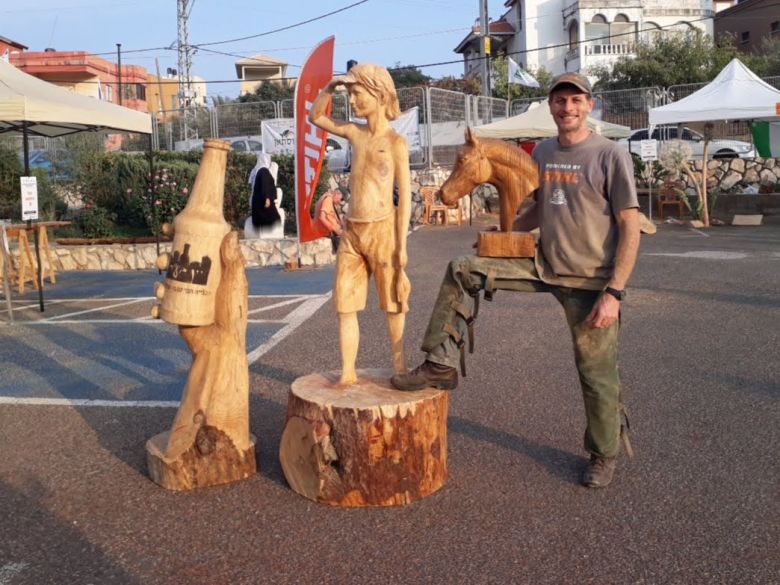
x: 737, y: 174
x: 144, y: 256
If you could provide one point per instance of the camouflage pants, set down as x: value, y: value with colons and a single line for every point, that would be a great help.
x: 595, y: 350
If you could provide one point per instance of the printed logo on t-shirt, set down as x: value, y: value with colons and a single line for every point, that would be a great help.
x: 558, y: 197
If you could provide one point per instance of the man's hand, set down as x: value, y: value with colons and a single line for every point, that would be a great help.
x: 605, y: 312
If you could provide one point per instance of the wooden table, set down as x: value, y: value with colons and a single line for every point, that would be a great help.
x: 27, y: 266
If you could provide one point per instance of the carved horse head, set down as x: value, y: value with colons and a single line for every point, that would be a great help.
x: 508, y: 168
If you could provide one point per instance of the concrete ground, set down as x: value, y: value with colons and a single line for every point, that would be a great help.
x: 87, y: 382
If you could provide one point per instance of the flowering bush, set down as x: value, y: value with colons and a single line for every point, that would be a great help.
x: 167, y: 195
x: 95, y: 222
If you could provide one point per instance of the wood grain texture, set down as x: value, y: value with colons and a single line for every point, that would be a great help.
x: 365, y: 444
x: 506, y: 245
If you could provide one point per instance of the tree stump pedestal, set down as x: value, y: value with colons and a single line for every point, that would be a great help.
x: 366, y: 444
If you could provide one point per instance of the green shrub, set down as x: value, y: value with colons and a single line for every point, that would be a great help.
x: 95, y: 222
x: 10, y: 188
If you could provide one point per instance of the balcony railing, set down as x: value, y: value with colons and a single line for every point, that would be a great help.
x: 621, y: 49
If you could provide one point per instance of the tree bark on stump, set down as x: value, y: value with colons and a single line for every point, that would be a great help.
x: 365, y: 444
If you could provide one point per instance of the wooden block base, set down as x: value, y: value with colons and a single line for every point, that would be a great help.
x: 506, y: 245
x: 366, y: 444
x: 755, y: 219
x: 212, y: 460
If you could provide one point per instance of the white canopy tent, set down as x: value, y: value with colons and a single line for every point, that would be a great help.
x: 31, y: 106
x: 538, y: 122
x: 43, y: 109
x: 735, y: 94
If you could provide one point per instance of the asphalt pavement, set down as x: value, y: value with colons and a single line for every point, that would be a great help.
x: 84, y: 384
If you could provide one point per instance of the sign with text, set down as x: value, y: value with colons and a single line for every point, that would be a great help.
x: 310, y: 146
x: 29, y: 198
x: 648, y: 149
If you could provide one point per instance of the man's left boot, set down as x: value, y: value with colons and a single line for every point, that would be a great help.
x: 599, y: 472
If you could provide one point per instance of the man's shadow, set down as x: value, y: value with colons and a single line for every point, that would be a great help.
x: 559, y: 463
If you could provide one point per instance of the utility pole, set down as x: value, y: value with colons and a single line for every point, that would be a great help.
x: 484, y: 46
x: 119, y: 70
x: 186, y: 91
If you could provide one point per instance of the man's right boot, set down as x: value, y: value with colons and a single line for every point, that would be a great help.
x: 427, y: 375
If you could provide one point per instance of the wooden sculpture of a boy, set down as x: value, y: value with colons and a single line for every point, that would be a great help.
x: 374, y: 240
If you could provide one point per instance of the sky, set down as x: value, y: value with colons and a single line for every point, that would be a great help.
x: 387, y: 32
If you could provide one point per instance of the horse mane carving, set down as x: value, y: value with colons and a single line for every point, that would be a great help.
x: 513, y: 173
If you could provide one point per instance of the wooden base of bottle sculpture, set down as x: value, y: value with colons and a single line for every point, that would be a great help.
x: 506, y: 245
x: 365, y: 444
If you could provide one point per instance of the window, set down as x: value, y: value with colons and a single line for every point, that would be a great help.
x: 651, y: 33
x: 641, y: 135
x: 744, y: 37
x: 774, y: 27
x: 574, y: 35
x: 622, y: 31
x: 597, y: 31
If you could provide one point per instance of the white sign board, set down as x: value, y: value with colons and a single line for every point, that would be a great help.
x: 648, y: 149
x: 278, y: 135
x: 29, y: 198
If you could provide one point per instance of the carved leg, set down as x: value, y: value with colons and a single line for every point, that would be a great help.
x: 349, y: 338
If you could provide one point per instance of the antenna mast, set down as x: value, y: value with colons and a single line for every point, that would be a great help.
x: 186, y: 90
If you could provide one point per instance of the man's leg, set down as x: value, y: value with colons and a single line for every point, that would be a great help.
x: 454, y: 312
x: 595, y: 353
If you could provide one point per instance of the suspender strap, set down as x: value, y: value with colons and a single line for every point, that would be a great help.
x: 625, y: 426
x: 458, y: 339
x: 464, y: 312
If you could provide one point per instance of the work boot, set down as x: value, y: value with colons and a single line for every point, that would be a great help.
x: 428, y: 374
x: 599, y: 472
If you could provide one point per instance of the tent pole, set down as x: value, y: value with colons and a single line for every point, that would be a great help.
x: 151, y: 187
x: 29, y: 221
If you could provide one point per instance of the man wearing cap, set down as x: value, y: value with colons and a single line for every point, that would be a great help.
x: 586, y: 210
x: 374, y: 240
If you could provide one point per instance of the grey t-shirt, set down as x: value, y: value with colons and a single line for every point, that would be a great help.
x: 583, y: 187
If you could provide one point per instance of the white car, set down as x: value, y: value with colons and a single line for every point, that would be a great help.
x: 718, y: 148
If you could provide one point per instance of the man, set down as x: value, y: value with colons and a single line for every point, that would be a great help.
x: 327, y: 218
x: 374, y: 240
x: 587, y: 212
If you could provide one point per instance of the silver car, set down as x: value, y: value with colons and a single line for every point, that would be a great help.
x: 718, y: 148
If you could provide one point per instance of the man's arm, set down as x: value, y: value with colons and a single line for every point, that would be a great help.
x: 607, y: 309
x: 528, y: 217
x: 327, y: 216
x: 318, y: 113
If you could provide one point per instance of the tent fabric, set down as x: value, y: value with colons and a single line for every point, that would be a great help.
x: 538, y: 122
x: 53, y: 111
x: 735, y: 94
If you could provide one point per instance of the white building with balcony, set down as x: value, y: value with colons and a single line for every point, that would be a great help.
x: 561, y: 35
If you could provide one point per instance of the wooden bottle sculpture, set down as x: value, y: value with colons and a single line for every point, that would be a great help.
x: 193, y: 269
x: 206, y: 294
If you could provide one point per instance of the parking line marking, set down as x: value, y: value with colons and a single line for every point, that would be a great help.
x: 88, y: 402
x: 101, y: 308
x: 276, y: 305
x: 294, y: 320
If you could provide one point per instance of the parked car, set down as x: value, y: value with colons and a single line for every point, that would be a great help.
x: 718, y: 148
x: 41, y: 159
x: 239, y: 144
x: 337, y: 154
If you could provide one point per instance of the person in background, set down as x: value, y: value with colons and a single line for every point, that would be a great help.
x: 327, y: 217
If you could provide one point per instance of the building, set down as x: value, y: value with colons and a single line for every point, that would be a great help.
x: 252, y: 71
x: 87, y: 74
x: 501, y: 34
x: 7, y: 46
x: 749, y: 22
x: 561, y: 35
x: 163, y: 92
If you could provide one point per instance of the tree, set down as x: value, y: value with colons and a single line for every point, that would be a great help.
x: 501, y: 88
x: 408, y: 76
x: 467, y: 84
x: 676, y: 59
x: 269, y: 91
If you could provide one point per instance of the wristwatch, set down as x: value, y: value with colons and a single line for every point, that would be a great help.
x: 618, y: 294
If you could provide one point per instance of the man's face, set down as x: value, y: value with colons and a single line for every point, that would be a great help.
x: 570, y: 108
x: 361, y: 101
